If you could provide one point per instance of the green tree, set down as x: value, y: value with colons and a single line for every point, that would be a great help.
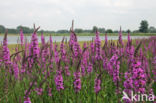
x: 143, y: 26
x: 101, y: 30
x: 116, y: 31
x: 25, y: 29
x: 87, y: 31
x: 62, y: 31
x: 2, y: 29
x: 94, y: 29
x: 78, y: 30
x: 152, y: 29
x: 135, y: 31
x: 12, y: 31
x: 128, y: 31
x: 109, y: 31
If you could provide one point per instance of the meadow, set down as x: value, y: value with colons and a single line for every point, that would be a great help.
x: 77, y: 72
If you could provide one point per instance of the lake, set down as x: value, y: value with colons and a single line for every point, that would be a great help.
x: 14, y: 39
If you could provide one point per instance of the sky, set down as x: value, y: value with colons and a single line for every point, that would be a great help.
x: 58, y: 14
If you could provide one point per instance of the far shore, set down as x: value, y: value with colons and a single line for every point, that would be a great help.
x: 86, y: 34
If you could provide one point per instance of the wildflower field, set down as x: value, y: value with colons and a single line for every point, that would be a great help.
x: 65, y: 72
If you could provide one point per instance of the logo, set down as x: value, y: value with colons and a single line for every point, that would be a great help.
x: 137, y: 97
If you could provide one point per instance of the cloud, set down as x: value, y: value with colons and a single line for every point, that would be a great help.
x: 58, y: 14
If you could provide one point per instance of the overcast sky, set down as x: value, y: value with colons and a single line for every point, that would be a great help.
x: 58, y: 14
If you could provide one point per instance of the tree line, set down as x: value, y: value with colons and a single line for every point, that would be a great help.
x: 144, y: 28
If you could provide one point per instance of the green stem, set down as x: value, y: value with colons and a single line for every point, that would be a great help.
x: 96, y: 98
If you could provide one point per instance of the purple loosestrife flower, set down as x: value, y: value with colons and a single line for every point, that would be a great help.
x: 71, y: 41
x: 112, y: 64
x: 77, y: 82
x: 120, y: 37
x: 116, y: 73
x: 145, y: 47
x: 85, y: 58
x: 30, y: 48
x: 6, y: 52
x: 39, y: 91
x: 129, y: 40
x: 33, y: 49
x: 106, y: 39
x: 92, y: 47
x: 55, y: 47
x: 44, y: 55
x: 98, y: 46
x: 84, y: 63
x: 22, y: 36
x: 67, y: 70
x: 56, y: 54
x: 34, y: 45
x: 73, y: 38
x: 23, y: 68
x: 27, y: 91
x: 90, y: 68
x: 139, y: 77
x: 110, y: 69
x: 51, y: 53
x: 141, y: 53
x: 92, y: 52
x: 16, y: 70
x: 137, y: 42
x: 27, y: 100
x: 154, y: 60
x: 51, y: 45
x: 42, y: 39
x: 76, y: 49
x: 145, y: 66
x: 154, y: 70
x: 49, y: 91
x: 26, y: 49
x: 63, y: 52
x: 18, y: 57
x: 130, y: 53
x: 82, y: 69
x: 105, y: 63
x: 51, y: 63
x: 97, y: 85
x: 128, y: 46
x: 59, y: 80
x: 30, y: 60
x: 128, y: 83
x: 1, y: 56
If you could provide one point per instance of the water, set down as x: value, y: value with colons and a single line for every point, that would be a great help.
x: 15, y: 39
